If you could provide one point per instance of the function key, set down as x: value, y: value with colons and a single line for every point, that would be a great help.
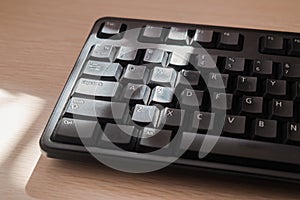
x: 152, y: 34
x: 232, y: 41
x: 179, y: 61
x: 178, y: 36
x: 111, y: 30
x: 294, y: 47
x: 104, y: 52
x: 272, y: 44
x: 204, y: 38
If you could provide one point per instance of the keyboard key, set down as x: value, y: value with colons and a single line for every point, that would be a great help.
x: 104, y: 53
x: 275, y: 88
x: 204, y: 39
x: 236, y: 65
x: 264, y: 128
x: 171, y: 118
x: 282, y: 108
x: 246, y: 84
x: 294, y: 47
x: 272, y: 44
x: 162, y: 76
x: 291, y: 71
x: 262, y: 68
x: 217, y: 81
x: 119, y: 135
x: 104, y: 90
x: 127, y: 55
x: 222, y: 101
x: 111, y: 30
x: 293, y: 131
x: 103, y: 70
x: 104, y: 110
x: 252, y: 105
x: 178, y: 36
x: 191, y: 98
x: 152, y: 34
x: 76, y: 131
x: 188, y: 78
x: 156, y: 56
x: 135, y: 74
x: 153, y: 139
x: 235, y: 125
x: 145, y: 115
x: 136, y: 94
x: 230, y: 41
x: 162, y: 95
x: 206, y: 61
x: 179, y: 61
x: 203, y: 121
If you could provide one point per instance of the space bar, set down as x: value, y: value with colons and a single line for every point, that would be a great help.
x: 243, y: 148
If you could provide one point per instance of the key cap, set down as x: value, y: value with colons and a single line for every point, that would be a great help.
x: 179, y: 61
x: 120, y: 135
x: 293, y: 131
x: 188, y: 78
x: 171, y: 118
x: 127, y: 55
x: 234, y: 125
x: 230, y: 41
x: 294, y: 47
x: 236, y: 65
x: 222, y: 101
x: 191, y: 98
x: 145, y: 115
x: 104, y: 90
x: 137, y: 94
x: 178, y: 36
x: 135, y: 74
x: 252, y: 105
x: 162, y: 95
x: 76, y: 131
x: 153, y: 139
x: 162, y: 76
x: 296, y: 91
x: 152, y: 34
x: 218, y: 81
x: 272, y: 44
x: 156, y: 56
x: 264, y: 128
x: 275, y: 88
x: 104, y: 53
x: 111, y: 30
x: 106, y: 111
x: 103, y: 70
x: 202, y: 121
x: 291, y: 71
x: 263, y: 68
x: 206, y: 61
x: 204, y: 38
x: 246, y: 84
x: 282, y: 108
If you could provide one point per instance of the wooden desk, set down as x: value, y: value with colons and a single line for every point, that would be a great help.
x: 39, y: 43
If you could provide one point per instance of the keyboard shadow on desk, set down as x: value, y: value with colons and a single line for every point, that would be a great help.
x: 53, y: 179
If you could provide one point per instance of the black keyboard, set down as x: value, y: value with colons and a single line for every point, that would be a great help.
x: 195, y: 95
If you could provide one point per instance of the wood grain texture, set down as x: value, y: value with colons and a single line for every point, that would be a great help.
x: 39, y: 43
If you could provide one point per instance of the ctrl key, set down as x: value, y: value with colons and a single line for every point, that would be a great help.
x: 76, y: 131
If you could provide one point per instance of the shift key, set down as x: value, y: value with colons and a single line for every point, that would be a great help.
x: 104, y: 110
